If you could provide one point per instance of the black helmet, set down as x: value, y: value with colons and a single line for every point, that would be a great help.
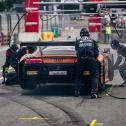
x: 114, y: 44
x: 84, y: 32
x: 31, y: 49
x: 14, y: 47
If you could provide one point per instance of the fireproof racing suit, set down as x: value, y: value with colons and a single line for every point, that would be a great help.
x: 13, y: 58
x: 9, y: 55
x: 87, y: 53
x: 121, y: 62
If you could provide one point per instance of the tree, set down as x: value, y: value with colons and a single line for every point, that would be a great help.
x: 2, y: 6
x: 9, y: 3
x: 6, y: 4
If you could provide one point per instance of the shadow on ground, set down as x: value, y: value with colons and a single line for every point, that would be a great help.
x: 56, y: 90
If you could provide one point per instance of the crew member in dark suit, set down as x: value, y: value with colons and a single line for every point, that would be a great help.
x: 87, y: 53
x: 121, y: 52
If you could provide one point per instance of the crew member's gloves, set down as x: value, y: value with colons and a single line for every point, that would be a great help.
x: 5, y: 70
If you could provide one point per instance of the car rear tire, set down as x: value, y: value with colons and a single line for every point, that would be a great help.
x: 28, y: 84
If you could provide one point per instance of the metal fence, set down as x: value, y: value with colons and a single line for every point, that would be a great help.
x: 7, y: 24
x: 75, y: 21
x: 68, y: 25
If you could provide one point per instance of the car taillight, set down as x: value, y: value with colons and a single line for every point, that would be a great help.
x: 33, y: 61
x: 75, y: 60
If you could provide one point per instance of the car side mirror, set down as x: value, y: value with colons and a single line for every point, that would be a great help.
x: 106, y: 50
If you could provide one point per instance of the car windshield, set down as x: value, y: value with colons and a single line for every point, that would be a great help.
x: 69, y: 50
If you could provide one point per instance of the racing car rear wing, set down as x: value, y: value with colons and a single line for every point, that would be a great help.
x: 49, y: 43
x: 32, y: 39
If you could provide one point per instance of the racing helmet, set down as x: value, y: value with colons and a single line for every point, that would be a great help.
x: 14, y: 47
x: 31, y: 49
x: 114, y: 44
x: 84, y: 32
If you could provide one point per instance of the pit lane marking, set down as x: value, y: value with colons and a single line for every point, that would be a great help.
x: 95, y: 123
x: 34, y: 118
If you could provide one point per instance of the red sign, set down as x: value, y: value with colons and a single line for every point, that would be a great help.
x: 94, y: 21
x: 32, y: 17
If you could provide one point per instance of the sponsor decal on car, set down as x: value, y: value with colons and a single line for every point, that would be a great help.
x: 57, y: 72
x: 32, y: 72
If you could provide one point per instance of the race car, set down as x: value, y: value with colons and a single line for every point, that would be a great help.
x: 54, y: 62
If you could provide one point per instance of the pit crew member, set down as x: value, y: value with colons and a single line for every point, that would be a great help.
x: 87, y: 53
x: 121, y: 54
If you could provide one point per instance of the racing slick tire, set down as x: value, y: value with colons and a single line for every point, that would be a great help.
x: 28, y: 83
x: 110, y: 69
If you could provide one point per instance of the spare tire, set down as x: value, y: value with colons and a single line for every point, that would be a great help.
x: 110, y: 68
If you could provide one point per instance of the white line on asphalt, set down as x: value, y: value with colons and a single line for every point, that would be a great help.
x: 1, y: 78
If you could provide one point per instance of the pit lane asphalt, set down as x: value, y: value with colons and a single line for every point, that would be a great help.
x: 16, y: 103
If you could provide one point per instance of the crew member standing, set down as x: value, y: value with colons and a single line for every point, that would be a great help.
x: 108, y: 33
x: 87, y: 53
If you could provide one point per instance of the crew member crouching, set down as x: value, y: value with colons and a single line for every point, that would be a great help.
x: 10, y: 53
